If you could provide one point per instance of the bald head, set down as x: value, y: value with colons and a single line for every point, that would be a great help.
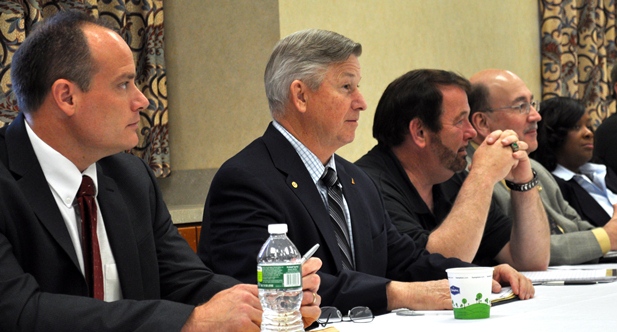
x: 489, y: 75
x: 497, y: 81
x: 494, y: 102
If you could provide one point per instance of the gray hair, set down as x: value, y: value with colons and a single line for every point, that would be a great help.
x: 304, y: 55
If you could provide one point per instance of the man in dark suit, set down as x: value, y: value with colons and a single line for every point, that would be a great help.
x: 311, y: 83
x: 74, y: 80
x: 606, y: 134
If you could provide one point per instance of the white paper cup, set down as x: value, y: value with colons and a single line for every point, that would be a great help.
x: 470, y: 289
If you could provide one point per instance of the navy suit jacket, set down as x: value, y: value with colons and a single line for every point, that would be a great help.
x: 583, y: 203
x: 267, y: 183
x: 41, y: 285
x: 605, y: 138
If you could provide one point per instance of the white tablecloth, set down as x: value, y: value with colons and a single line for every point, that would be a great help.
x: 554, y: 308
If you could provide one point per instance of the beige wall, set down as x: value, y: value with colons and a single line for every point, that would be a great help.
x: 216, y: 51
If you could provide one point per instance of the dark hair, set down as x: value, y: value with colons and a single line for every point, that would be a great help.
x: 559, y: 115
x: 478, y: 99
x: 416, y: 94
x: 613, y: 81
x: 57, y: 48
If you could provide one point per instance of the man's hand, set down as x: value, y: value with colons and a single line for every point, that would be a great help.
x: 435, y: 295
x: 428, y: 295
x: 239, y: 309
x: 310, y: 285
x: 495, y: 162
x: 234, y: 309
x: 521, y: 285
x: 521, y: 170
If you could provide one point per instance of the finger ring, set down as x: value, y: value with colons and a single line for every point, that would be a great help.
x: 514, y: 146
x: 314, y: 298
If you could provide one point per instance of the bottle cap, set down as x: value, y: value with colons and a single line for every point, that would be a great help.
x: 277, y: 228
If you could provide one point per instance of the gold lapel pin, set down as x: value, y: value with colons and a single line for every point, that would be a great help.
x: 294, y: 184
x: 353, y: 181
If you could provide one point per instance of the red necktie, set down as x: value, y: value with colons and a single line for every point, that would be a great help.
x: 89, y: 240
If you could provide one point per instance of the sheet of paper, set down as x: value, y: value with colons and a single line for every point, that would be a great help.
x: 505, y: 294
x: 603, y: 266
x: 599, y: 275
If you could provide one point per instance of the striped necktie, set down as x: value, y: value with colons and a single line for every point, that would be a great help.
x: 335, y: 207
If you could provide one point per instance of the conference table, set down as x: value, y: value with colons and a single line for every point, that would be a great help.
x: 554, y: 308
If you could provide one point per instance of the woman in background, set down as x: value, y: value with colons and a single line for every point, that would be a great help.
x: 565, y: 147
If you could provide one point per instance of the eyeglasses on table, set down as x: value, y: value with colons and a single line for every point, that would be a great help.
x: 333, y: 315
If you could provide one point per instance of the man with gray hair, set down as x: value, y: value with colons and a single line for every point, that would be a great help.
x: 292, y: 175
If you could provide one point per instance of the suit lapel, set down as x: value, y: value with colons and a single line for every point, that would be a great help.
x: 121, y: 237
x: 594, y: 212
x: 286, y: 160
x: 611, y: 180
x: 27, y: 171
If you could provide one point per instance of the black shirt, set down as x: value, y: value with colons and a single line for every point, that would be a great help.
x: 412, y: 216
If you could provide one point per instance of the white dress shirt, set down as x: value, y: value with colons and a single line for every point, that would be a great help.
x: 64, y: 180
x: 316, y: 170
x: 592, y: 179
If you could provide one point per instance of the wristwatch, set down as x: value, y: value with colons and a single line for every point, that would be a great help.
x: 524, y: 186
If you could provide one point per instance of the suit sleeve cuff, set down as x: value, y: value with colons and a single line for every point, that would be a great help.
x: 603, y: 239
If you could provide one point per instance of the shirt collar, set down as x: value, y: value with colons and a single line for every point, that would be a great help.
x: 587, y: 168
x: 310, y: 160
x: 563, y: 173
x: 595, y: 169
x: 61, y: 174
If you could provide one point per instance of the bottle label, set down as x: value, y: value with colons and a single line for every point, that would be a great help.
x: 279, y: 276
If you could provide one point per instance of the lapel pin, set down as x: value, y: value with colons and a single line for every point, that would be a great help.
x: 294, y: 184
x: 353, y: 181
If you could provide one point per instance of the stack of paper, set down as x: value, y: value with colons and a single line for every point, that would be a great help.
x: 506, y: 295
x: 597, y: 275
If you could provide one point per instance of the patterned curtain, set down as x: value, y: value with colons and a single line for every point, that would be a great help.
x: 578, y: 52
x: 140, y: 23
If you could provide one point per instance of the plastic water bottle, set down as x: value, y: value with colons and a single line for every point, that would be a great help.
x: 279, y: 279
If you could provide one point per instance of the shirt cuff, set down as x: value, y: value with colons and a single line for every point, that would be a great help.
x: 603, y: 239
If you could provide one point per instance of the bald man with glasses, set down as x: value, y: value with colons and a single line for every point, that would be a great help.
x: 500, y: 100
x: 422, y: 128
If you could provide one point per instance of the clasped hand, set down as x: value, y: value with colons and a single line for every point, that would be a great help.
x: 499, y: 161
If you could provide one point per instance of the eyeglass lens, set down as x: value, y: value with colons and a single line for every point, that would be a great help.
x: 535, y: 105
x: 525, y: 108
x: 329, y: 315
x: 356, y: 315
x: 361, y: 315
